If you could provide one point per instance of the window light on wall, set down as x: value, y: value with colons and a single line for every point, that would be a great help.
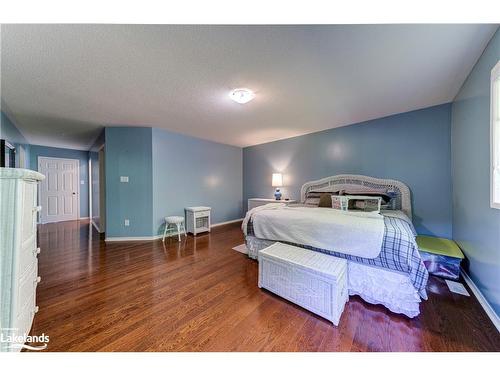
x: 495, y: 136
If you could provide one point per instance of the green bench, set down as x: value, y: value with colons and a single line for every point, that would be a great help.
x: 441, y: 256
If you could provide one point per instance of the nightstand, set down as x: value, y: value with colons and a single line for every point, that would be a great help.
x: 198, y: 219
x: 255, y: 202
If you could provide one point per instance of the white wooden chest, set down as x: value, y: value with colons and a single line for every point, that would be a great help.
x: 315, y: 281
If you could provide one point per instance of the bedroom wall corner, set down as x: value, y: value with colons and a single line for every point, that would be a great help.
x: 476, y: 226
x: 128, y: 154
x: 189, y: 171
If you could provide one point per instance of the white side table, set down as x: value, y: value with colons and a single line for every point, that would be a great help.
x: 255, y: 202
x: 198, y: 219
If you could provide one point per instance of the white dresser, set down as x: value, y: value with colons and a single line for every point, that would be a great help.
x: 18, y: 251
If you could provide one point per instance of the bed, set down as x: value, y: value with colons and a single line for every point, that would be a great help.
x: 393, y: 275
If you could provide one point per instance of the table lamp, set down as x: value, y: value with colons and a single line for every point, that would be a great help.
x: 277, y: 182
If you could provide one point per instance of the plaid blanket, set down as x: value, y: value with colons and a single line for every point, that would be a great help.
x: 399, y: 252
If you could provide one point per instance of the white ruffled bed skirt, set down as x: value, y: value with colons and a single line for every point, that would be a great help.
x: 375, y: 285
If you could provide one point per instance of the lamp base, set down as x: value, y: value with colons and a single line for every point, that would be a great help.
x: 277, y: 194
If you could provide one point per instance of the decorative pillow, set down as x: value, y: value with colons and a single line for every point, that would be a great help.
x: 319, y: 198
x: 325, y: 200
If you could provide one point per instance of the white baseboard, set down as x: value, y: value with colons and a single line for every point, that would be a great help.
x: 158, y: 236
x: 121, y: 239
x: 484, y: 303
x: 225, y: 222
x: 61, y: 221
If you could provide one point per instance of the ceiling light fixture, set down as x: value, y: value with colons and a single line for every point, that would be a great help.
x: 242, y: 95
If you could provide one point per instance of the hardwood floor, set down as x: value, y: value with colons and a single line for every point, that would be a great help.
x: 200, y: 295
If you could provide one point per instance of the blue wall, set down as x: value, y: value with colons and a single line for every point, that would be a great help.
x: 412, y: 147
x: 189, y: 171
x: 11, y: 133
x: 128, y: 153
x: 476, y: 226
x: 82, y: 156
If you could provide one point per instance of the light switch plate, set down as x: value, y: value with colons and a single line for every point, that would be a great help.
x: 127, y: 222
x: 82, y: 182
x: 123, y: 178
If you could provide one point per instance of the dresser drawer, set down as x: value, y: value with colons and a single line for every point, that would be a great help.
x: 24, y: 320
x: 27, y: 247
x: 25, y: 299
x: 27, y: 256
x: 202, y: 214
x: 29, y: 213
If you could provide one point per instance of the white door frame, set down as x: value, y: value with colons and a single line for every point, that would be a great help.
x: 77, y: 186
x: 102, y: 189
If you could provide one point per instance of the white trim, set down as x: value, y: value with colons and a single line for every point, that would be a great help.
x: 121, y: 239
x: 494, y: 138
x: 225, y: 222
x: 152, y: 238
x: 63, y: 221
x: 89, y: 180
x: 77, y: 192
x: 482, y: 300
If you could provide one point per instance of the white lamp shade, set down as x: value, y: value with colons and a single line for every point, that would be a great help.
x: 277, y: 180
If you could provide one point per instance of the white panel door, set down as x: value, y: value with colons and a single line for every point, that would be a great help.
x: 59, y: 192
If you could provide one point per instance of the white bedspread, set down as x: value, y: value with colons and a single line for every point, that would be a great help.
x: 358, y: 234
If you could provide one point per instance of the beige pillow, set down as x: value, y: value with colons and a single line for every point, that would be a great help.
x: 325, y: 200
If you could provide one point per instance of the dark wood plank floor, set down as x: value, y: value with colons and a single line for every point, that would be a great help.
x: 200, y: 295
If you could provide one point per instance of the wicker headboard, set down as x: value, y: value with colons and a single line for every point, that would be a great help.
x: 359, y: 182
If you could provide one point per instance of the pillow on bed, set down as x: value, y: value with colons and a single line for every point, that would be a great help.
x: 326, y: 200
x: 318, y: 194
x: 320, y: 198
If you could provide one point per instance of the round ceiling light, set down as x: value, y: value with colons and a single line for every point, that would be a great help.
x: 242, y: 96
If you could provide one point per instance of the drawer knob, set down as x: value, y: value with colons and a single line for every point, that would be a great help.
x: 36, y: 309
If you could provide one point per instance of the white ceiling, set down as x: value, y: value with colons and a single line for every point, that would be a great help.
x: 63, y: 83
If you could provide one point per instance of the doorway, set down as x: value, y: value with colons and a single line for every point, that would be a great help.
x: 60, y: 190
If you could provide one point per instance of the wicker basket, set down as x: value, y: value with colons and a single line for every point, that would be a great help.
x: 356, y: 203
